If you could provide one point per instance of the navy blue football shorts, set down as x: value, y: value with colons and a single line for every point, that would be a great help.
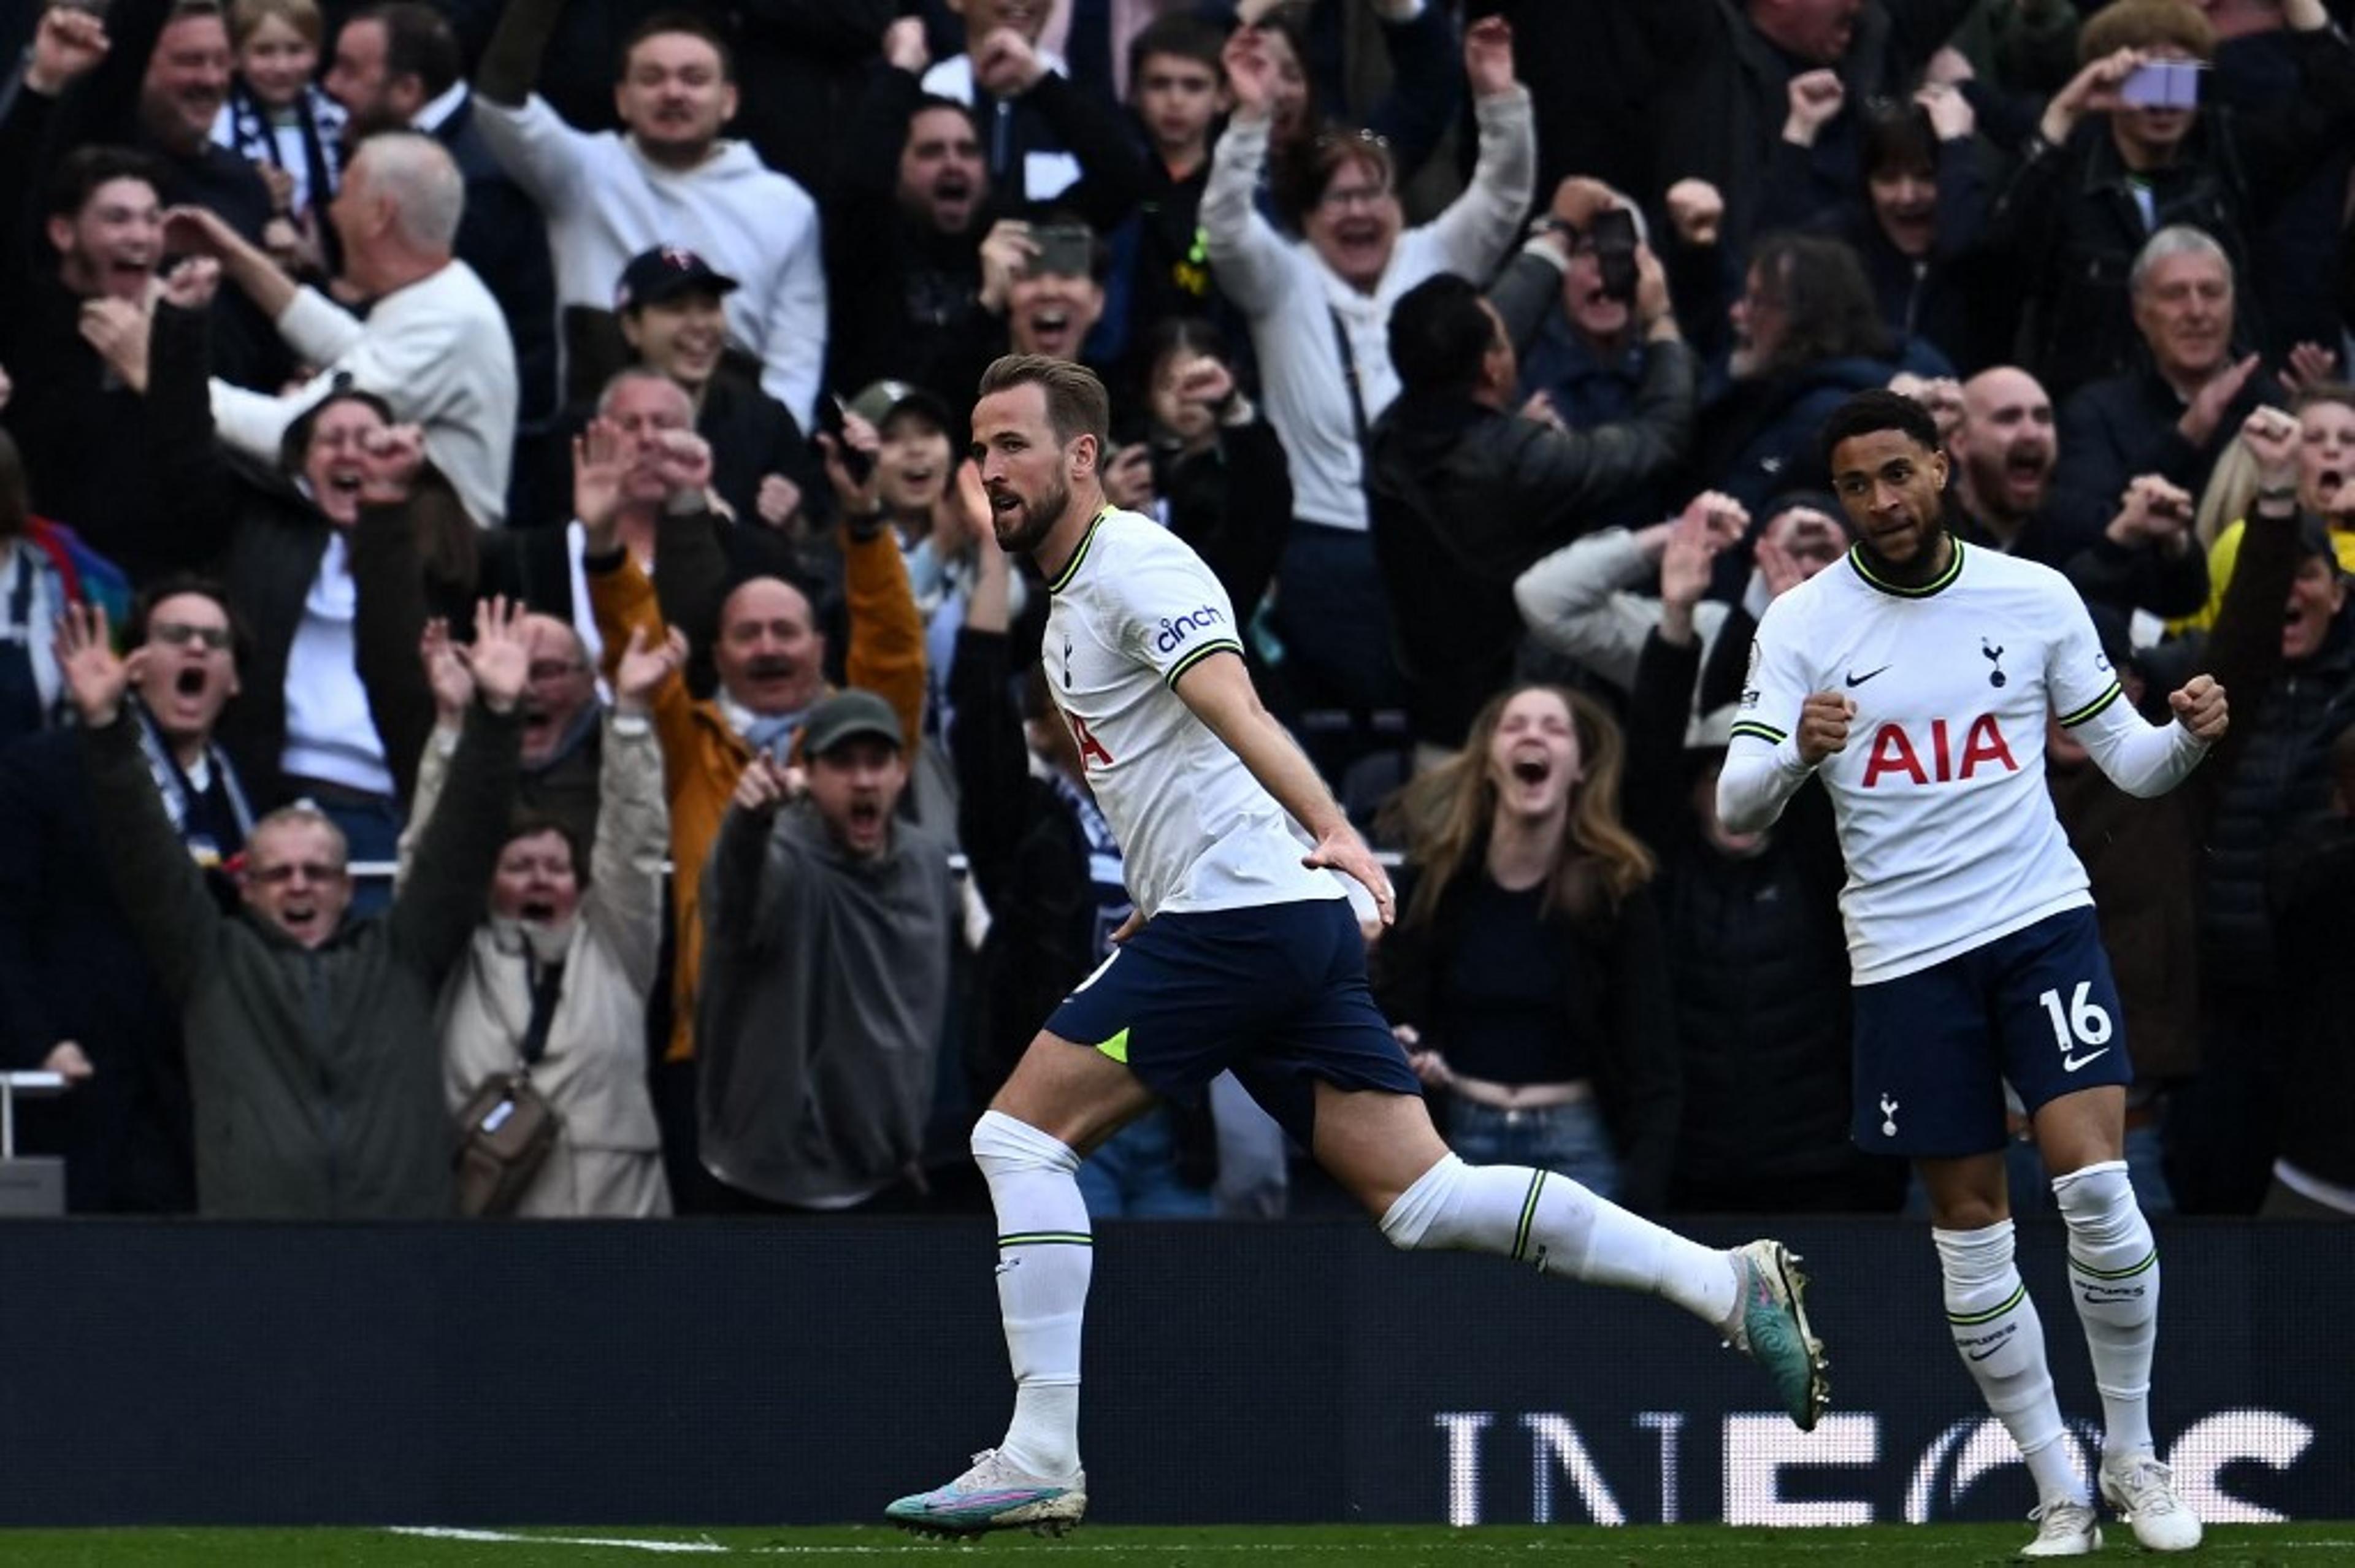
x: 2037, y: 1008
x: 1277, y: 992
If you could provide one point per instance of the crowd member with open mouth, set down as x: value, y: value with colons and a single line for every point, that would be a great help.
x: 556, y: 978
x: 2325, y: 466
x: 1525, y: 976
x: 304, y: 1018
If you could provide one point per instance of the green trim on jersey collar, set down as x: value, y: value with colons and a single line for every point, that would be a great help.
x: 1943, y: 580
x: 1071, y: 567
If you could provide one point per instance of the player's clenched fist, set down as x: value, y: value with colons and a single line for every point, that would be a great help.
x: 2199, y: 707
x: 1823, y: 725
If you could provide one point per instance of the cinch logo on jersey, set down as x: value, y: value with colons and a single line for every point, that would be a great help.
x: 1894, y: 751
x: 1174, y: 633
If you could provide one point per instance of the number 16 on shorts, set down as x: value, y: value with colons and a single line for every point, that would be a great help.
x: 2082, y: 1030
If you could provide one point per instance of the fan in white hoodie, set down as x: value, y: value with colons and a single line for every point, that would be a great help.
x: 668, y: 179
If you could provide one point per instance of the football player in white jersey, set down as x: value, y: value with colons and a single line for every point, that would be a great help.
x: 1915, y: 680
x: 1244, y: 954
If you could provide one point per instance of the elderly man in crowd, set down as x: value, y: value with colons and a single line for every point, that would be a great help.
x: 2175, y: 414
x: 310, y: 1038
x: 433, y: 346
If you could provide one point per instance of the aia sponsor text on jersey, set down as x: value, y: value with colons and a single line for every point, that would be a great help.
x: 1931, y: 756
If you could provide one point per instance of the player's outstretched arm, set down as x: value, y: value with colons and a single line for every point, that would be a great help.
x: 1219, y: 689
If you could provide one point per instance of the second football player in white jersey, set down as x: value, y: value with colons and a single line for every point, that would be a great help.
x: 1244, y: 954
x: 1916, y: 680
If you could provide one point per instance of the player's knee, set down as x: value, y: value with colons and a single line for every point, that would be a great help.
x: 1973, y: 1258
x: 1418, y: 1216
x: 1003, y: 1145
x: 2097, y: 1202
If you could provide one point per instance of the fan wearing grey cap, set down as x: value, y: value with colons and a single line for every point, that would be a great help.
x: 771, y: 659
x: 669, y: 302
x: 828, y: 921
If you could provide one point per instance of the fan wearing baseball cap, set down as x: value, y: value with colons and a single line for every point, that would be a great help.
x: 666, y: 178
x: 670, y: 302
x: 829, y: 922
x: 771, y: 657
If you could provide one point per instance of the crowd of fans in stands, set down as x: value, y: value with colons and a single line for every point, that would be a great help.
x: 518, y: 443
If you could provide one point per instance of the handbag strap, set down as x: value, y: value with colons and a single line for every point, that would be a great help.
x: 547, y: 987
x: 1349, y: 374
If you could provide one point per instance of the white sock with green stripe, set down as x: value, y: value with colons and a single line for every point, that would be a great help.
x: 1045, y: 1254
x: 1535, y: 1216
x: 2113, y: 1269
x: 2002, y: 1343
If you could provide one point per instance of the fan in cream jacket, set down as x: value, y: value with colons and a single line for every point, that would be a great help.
x: 607, y: 1160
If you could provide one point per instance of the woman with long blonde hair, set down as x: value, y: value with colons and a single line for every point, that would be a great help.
x: 1527, y: 975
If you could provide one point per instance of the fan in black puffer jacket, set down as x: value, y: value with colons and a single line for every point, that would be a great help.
x: 1758, y: 964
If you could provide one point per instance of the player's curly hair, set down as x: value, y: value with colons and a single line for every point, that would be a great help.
x: 1445, y: 817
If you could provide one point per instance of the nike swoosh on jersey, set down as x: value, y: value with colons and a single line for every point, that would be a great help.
x: 1855, y: 679
x: 1982, y: 1355
x: 2070, y: 1063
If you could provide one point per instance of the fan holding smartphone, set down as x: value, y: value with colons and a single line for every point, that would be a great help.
x: 2137, y: 142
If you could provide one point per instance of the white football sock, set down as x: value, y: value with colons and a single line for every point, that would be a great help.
x: 1534, y: 1216
x: 1045, y: 1254
x: 2002, y: 1343
x: 2114, y: 1273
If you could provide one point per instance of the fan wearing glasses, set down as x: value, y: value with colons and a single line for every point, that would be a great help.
x: 313, y: 1057
x: 1319, y: 308
x: 78, y: 997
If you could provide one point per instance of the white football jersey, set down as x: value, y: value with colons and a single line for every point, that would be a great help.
x: 1950, y: 837
x: 1134, y: 609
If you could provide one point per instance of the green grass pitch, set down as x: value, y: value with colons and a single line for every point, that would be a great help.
x: 2301, y: 1545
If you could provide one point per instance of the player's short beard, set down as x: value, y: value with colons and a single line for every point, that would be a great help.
x: 1039, y: 518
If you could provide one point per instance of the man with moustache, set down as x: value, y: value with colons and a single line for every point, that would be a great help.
x: 2004, y: 451
x: 78, y: 998
x: 1976, y: 956
x: 770, y: 656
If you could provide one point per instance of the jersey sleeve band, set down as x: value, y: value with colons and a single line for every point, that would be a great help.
x: 2092, y: 709
x: 1223, y: 646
